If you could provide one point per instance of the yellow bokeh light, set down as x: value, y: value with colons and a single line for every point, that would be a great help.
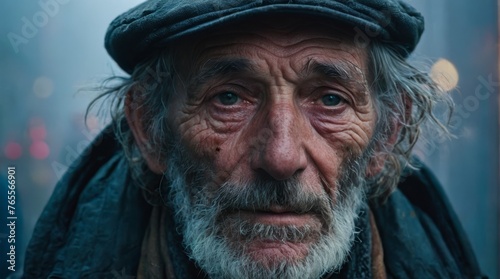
x: 444, y: 74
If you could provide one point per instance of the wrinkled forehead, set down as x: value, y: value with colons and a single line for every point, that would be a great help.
x: 287, y: 35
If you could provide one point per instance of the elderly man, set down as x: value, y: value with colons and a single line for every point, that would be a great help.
x: 258, y: 139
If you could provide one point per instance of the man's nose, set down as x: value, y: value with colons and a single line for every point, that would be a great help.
x: 282, y: 154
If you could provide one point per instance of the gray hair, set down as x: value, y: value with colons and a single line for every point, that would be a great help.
x: 404, y: 96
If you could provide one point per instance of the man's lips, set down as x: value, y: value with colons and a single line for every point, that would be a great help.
x: 278, y: 216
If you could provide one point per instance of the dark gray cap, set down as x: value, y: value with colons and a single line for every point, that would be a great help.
x: 136, y: 34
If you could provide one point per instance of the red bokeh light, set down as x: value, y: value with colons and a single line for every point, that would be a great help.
x: 39, y: 150
x: 13, y: 150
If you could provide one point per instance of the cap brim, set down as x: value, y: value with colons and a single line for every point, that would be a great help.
x: 133, y: 36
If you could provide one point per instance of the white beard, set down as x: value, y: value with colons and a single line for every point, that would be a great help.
x: 205, y: 230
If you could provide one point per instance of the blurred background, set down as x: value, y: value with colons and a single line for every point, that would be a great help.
x: 48, y: 54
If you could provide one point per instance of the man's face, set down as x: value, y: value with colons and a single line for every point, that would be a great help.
x: 273, y: 127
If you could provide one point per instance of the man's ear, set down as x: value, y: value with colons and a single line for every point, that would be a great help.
x: 134, y: 112
x: 379, y: 159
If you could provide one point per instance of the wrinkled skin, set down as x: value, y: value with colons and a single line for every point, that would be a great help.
x: 274, y: 103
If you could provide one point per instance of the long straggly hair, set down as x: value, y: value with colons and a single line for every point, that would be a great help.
x: 404, y: 97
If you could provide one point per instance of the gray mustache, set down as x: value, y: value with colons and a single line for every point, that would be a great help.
x: 262, y: 195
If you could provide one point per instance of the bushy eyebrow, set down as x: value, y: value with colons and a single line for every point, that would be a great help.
x: 342, y: 72
x: 332, y: 71
x: 219, y: 68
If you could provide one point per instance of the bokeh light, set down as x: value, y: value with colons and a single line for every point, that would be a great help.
x: 13, y: 150
x: 39, y: 150
x: 444, y: 73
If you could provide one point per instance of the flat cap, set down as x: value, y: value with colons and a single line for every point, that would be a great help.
x: 148, y: 27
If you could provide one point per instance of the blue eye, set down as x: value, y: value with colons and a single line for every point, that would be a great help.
x: 331, y: 100
x: 228, y: 98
